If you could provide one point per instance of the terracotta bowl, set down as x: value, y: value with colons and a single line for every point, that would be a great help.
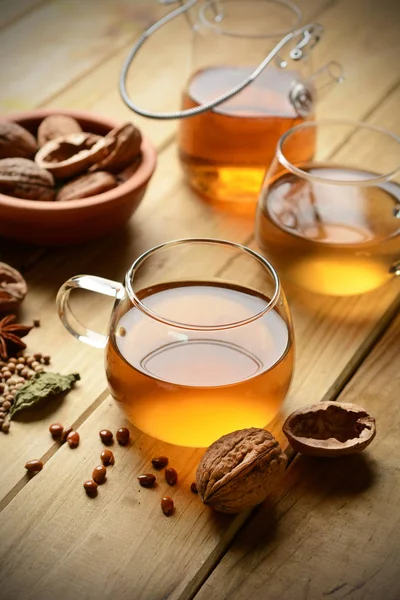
x: 59, y: 223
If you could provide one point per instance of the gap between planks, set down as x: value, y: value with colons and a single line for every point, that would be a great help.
x: 54, y: 448
x: 23, y: 14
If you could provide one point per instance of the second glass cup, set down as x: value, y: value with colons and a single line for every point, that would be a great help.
x: 200, y: 341
x: 331, y: 224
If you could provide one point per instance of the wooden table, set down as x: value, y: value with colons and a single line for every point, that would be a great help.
x: 332, y: 529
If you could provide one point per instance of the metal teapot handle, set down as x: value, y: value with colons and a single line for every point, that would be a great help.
x: 306, y: 36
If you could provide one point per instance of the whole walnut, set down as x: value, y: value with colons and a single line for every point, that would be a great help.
x: 55, y: 126
x: 239, y: 470
x: 16, y: 141
x: 13, y: 288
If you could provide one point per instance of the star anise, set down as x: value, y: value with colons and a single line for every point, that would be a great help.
x: 10, y: 336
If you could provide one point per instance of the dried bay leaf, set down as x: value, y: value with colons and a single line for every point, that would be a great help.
x: 40, y: 387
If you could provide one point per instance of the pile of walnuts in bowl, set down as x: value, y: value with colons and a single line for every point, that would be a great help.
x: 64, y: 163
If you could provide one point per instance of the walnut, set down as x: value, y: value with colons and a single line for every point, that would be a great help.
x: 87, y: 185
x: 22, y: 178
x: 73, y: 154
x: 13, y: 288
x: 126, y: 150
x: 15, y: 141
x: 55, y: 126
x: 330, y: 429
x: 239, y: 470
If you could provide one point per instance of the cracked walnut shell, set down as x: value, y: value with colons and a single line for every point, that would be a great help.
x: 330, y: 429
x: 239, y: 470
x: 73, y: 154
x: 127, y: 139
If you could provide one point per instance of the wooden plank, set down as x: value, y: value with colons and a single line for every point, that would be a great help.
x: 152, y: 72
x: 10, y: 11
x: 62, y: 41
x: 334, y: 528
x: 363, y: 38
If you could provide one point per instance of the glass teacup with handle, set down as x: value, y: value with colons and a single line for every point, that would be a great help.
x: 200, y: 341
x: 331, y: 222
x: 250, y: 80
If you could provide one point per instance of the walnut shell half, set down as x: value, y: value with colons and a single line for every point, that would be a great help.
x: 330, y: 429
x: 73, y: 154
x: 126, y: 150
x: 239, y: 470
x: 13, y: 288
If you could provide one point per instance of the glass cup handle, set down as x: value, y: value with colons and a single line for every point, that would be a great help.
x: 99, y: 285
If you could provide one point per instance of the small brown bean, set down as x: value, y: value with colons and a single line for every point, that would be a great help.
x: 66, y: 433
x: 20, y: 367
x: 73, y: 439
x: 7, y: 374
x: 13, y: 360
x: 21, y: 360
x: 36, y: 322
x: 123, y: 436
x: 11, y: 367
x: 99, y: 474
x: 106, y: 436
x: 6, y: 405
x: 34, y: 466
x: 193, y: 488
x: 56, y: 430
x: 171, y: 476
x: 5, y: 427
x: 90, y: 488
x: 34, y: 364
x: 24, y: 372
x: 29, y: 360
x: 46, y: 359
x: 159, y: 462
x: 167, y: 505
x: 2, y: 386
x: 38, y: 369
x: 147, y: 480
x: 107, y: 457
x: 37, y: 355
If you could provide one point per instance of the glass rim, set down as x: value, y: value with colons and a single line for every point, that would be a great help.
x: 322, y: 122
x: 277, y: 34
x: 130, y: 274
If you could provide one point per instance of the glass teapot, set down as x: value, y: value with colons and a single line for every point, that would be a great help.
x: 251, y: 80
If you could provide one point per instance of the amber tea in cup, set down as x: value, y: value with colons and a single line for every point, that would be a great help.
x: 331, y: 224
x: 199, y: 347
x: 250, y: 79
